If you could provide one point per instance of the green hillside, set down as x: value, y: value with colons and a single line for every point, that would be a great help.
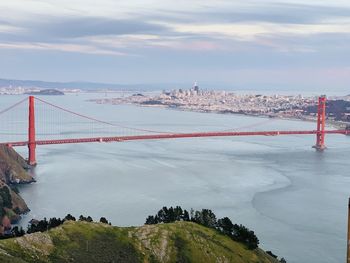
x: 97, y: 242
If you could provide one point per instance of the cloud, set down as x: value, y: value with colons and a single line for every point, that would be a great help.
x: 67, y: 27
x: 281, y: 13
x: 249, y: 31
x: 189, y: 36
x: 68, y: 34
x: 86, y: 49
x: 210, y: 27
x: 194, y: 44
x: 9, y: 29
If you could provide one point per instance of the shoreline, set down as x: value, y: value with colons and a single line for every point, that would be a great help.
x: 14, y: 172
x: 334, y: 124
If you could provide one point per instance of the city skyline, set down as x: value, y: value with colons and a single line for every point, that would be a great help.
x: 259, y: 44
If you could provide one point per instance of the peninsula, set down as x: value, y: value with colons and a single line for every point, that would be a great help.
x: 52, y: 92
x: 272, y: 106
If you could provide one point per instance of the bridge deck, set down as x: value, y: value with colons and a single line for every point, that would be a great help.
x: 174, y: 136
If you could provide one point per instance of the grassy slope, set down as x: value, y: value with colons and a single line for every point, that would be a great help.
x: 95, y: 242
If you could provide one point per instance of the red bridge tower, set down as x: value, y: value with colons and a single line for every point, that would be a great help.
x: 321, y: 124
x: 31, y: 132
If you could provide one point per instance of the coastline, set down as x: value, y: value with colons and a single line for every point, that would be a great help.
x: 334, y: 124
x: 14, y: 171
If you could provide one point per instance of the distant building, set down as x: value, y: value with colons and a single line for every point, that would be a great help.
x: 196, y: 87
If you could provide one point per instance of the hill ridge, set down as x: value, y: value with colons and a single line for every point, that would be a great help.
x: 77, y: 241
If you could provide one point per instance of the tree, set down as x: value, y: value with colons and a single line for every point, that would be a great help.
x: 87, y: 219
x: 17, y: 232
x: 69, y: 217
x: 150, y: 220
x: 178, y: 213
x: 41, y: 226
x: 168, y: 215
x: 156, y: 219
x: 163, y: 215
x: 192, y: 214
x: 21, y: 232
x: 225, y: 226
x: 54, y: 222
x: 186, y: 216
x: 245, y: 236
x: 103, y: 220
x: 206, y: 217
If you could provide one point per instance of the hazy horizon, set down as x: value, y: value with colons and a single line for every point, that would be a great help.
x: 157, y: 87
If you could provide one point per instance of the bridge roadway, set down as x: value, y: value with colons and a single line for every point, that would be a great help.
x: 174, y: 136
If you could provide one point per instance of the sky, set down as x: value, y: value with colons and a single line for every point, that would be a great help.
x: 278, y: 44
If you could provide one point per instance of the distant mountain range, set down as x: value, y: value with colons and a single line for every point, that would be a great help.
x: 78, y: 85
x: 205, y: 85
x: 109, y: 86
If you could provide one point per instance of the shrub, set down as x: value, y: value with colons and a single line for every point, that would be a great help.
x: 103, y: 220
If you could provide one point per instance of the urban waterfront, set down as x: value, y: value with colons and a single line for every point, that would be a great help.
x: 293, y: 197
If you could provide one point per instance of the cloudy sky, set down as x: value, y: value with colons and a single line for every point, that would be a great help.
x: 287, y: 44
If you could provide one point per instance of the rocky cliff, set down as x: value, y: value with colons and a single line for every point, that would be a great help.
x: 13, y: 170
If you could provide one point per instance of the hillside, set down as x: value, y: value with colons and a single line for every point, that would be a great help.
x: 97, y: 242
x: 13, y: 170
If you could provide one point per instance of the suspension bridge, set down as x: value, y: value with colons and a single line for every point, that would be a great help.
x: 48, y: 112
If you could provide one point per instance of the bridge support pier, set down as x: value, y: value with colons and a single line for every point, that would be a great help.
x: 31, y: 133
x: 321, y: 124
